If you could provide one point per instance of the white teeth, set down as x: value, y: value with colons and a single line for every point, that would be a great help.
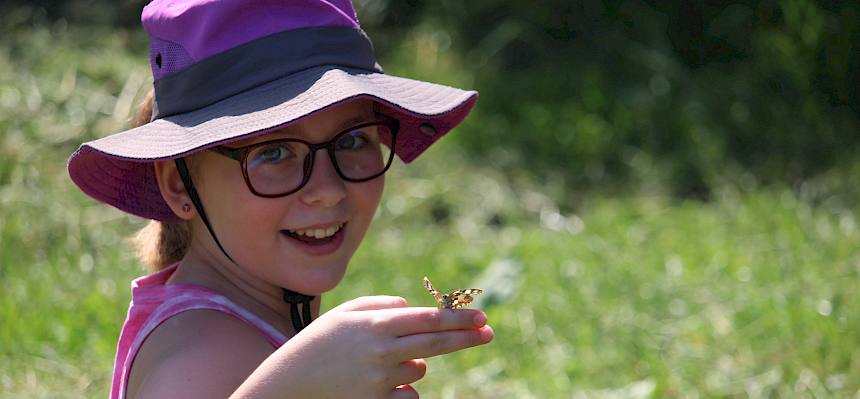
x: 318, y: 233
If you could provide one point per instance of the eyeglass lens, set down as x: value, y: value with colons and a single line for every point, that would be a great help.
x: 280, y: 167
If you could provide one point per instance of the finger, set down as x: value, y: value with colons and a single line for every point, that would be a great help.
x: 407, y: 321
x: 404, y: 392
x: 439, y: 343
x: 372, y: 303
x: 408, y: 372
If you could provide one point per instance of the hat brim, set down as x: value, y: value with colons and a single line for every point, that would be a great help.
x: 118, y: 169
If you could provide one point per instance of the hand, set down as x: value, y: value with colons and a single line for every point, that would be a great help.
x: 370, y: 347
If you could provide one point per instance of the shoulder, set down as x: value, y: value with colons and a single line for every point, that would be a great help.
x: 197, y: 353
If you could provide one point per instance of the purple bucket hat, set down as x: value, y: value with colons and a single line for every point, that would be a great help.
x: 226, y: 70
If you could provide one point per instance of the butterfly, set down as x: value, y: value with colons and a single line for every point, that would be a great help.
x: 454, y: 300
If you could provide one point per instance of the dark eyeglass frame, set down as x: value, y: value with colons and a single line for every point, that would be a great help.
x: 240, y: 154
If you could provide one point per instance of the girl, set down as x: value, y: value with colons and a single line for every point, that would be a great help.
x: 261, y: 161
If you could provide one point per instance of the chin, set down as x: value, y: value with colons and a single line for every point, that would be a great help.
x: 318, y: 281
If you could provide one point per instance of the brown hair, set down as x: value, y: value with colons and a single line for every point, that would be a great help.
x: 159, y: 244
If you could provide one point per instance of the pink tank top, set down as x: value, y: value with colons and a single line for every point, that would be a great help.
x: 153, y: 302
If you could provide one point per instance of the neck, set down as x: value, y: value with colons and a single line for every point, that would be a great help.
x: 211, y: 269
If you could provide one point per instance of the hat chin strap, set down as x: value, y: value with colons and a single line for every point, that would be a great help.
x: 300, y: 321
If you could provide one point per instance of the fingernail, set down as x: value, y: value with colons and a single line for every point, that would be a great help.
x: 487, y: 334
x: 480, y: 319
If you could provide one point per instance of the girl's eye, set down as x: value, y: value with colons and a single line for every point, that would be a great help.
x: 353, y: 140
x: 272, y: 153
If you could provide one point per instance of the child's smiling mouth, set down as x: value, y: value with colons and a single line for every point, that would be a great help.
x: 317, y: 233
x: 317, y: 241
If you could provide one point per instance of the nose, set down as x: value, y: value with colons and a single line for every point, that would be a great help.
x: 325, y: 187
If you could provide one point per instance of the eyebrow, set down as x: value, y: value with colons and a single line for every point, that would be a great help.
x: 355, y: 120
x: 289, y: 131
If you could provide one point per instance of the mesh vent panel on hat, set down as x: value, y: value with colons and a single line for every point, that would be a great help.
x: 166, y: 57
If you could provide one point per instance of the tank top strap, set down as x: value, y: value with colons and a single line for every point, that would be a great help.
x: 208, y: 301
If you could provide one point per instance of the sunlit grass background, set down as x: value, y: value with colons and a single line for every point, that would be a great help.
x: 751, y: 294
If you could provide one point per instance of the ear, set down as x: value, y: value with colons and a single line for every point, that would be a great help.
x: 172, y: 189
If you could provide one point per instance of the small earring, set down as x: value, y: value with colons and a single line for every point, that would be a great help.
x: 186, y: 208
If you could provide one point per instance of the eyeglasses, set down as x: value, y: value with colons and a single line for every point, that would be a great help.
x: 277, y: 168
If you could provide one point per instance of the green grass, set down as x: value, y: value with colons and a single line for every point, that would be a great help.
x: 750, y: 295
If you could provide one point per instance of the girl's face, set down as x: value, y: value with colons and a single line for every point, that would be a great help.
x: 275, y: 239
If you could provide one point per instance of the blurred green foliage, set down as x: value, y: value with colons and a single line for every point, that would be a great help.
x: 607, y: 93
x: 675, y: 96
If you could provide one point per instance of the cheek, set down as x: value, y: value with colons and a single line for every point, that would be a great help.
x: 368, y: 197
x: 365, y: 199
x: 231, y: 207
x: 250, y: 227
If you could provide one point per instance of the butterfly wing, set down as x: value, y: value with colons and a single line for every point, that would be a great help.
x: 432, y: 291
x: 454, y: 300
x: 461, y: 298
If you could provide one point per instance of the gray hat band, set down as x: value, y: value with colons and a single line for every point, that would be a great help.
x: 258, y: 62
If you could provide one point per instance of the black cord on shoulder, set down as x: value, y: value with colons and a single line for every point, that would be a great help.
x: 291, y: 297
x: 294, y: 299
